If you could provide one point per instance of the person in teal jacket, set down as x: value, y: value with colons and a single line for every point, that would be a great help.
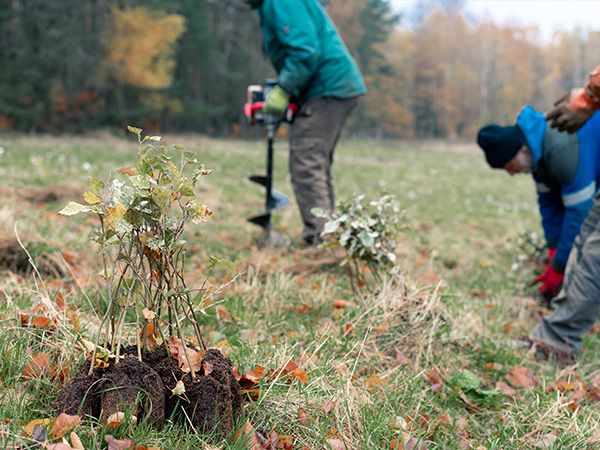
x: 566, y: 171
x: 316, y: 71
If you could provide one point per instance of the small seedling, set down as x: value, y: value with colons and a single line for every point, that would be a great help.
x: 366, y: 231
x: 142, y: 214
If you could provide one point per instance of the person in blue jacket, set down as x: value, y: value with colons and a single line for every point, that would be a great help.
x: 316, y: 71
x: 566, y: 170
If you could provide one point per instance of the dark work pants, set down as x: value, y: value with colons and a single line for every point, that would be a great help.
x: 313, y: 138
x: 578, y: 302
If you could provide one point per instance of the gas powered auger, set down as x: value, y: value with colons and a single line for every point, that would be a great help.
x: 253, y: 110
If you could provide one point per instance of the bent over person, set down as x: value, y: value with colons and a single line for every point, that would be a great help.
x: 566, y: 171
x: 578, y: 304
x: 317, y: 72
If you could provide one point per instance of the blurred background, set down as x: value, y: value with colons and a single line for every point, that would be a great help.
x: 434, y: 68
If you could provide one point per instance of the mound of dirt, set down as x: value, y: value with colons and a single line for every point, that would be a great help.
x: 47, y: 259
x: 211, y: 401
x: 131, y: 386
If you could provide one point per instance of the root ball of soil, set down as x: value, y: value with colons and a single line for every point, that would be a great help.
x: 210, y: 403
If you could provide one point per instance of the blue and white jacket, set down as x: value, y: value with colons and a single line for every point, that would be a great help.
x: 567, y: 176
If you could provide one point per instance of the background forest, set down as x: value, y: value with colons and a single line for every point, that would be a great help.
x: 183, y: 65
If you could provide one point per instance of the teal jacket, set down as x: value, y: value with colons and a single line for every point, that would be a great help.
x: 307, y: 52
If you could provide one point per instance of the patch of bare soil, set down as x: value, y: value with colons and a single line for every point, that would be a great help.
x: 47, y: 260
x: 210, y: 402
x: 49, y: 194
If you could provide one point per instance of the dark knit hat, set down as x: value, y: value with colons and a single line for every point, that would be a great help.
x: 500, y: 144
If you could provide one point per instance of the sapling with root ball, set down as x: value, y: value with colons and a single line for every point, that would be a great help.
x: 142, y: 214
x: 366, y: 231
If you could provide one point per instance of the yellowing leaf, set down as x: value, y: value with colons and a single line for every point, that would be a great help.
x: 134, y: 130
x: 91, y: 198
x: 115, y: 214
x: 28, y: 429
x: 73, y: 208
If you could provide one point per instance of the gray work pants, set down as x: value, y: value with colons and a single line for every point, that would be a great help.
x: 313, y: 138
x: 578, y: 303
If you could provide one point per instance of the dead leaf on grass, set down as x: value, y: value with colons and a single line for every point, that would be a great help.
x: 594, y: 388
x: 118, y: 444
x: 506, y: 389
x: 302, y: 416
x: 252, y: 377
x: 521, y: 377
x: 339, y: 303
x: 434, y: 379
x: 76, y: 442
x: 595, y: 438
x: 248, y: 435
x: 28, y: 429
x: 545, y: 442
x: 60, y: 446
x: 374, y: 382
x: 328, y: 405
x: 336, y: 444
x: 39, y: 366
x: 401, y: 358
x: 63, y: 424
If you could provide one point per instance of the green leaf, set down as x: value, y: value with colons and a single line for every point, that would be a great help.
x: 95, y: 185
x: 468, y: 381
x: 161, y: 196
x: 318, y: 212
x: 151, y: 138
x: 91, y: 198
x: 214, y: 262
x: 186, y: 189
x: 74, y: 208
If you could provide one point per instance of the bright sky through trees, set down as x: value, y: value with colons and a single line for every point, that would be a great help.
x: 548, y: 15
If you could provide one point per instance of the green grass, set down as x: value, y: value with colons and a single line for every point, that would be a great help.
x: 455, y: 304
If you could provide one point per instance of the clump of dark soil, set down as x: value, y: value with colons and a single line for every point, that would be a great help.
x: 130, y: 386
x: 211, y: 401
x: 14, y: 258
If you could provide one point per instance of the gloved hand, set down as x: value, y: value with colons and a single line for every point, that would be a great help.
x: 565, y: 117
x: 276, y: 102
x: 551, y: 281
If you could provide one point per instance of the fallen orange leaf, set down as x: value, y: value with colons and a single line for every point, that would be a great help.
x: 39, y: 367
x: 63, y: 424
x: 188, y: 359
x: 339, y: 303
x: 374, y: 382
x: 521, y: 377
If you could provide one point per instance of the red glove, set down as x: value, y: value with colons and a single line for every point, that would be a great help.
x: 551, y: 281
x: 551, y: 253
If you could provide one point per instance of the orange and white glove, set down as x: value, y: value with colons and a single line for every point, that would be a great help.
x: 573, y: 110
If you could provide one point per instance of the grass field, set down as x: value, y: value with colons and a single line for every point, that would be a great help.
x: 414, y: 364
